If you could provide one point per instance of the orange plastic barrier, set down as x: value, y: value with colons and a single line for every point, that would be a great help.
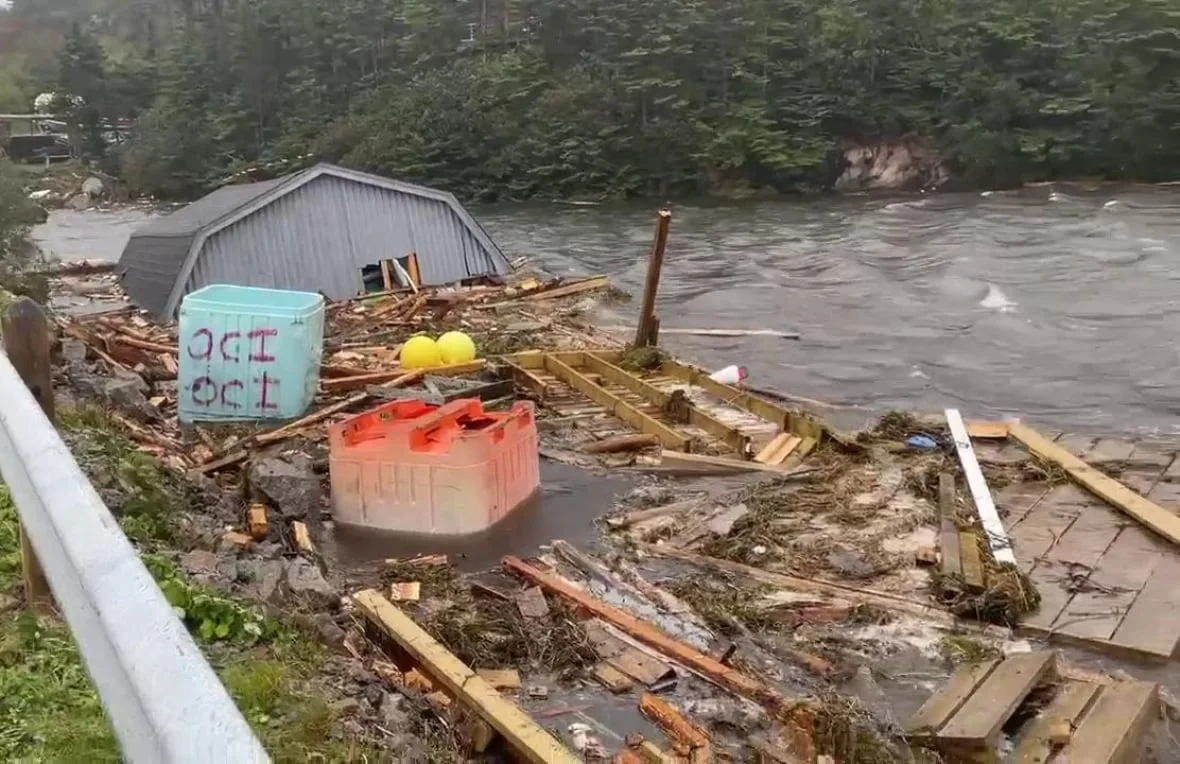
x: 453, y: 469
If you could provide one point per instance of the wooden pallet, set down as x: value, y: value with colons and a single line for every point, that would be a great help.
x: 1081, y: 721
x: 609, y: 400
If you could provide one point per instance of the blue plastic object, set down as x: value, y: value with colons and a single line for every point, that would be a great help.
x: 248, y: 353
x: 922, y: 442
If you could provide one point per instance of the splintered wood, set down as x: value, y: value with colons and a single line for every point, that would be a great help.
x: 1102, y: 724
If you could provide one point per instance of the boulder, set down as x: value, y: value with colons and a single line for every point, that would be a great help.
x: 94, y: 188
x: 79, y: 202
x: 904, y: 164
x: 305, y: 581
x: 261, y: 577
x: 294, y: 488
x: 126, y: 391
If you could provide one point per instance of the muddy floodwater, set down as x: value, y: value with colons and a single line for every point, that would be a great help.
x: 1055, y: 302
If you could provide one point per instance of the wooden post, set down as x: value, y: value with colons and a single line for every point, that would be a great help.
x: 26, y: 342
x: 644, y: 333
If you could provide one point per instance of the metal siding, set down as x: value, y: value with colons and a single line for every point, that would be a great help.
x: 317, y: 237
x: 149, y: 265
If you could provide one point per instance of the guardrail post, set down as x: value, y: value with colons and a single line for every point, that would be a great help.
x: 26, y: 341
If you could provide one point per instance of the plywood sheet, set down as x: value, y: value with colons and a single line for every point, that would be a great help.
x: 1077, y: 551
x: 1110, y: 450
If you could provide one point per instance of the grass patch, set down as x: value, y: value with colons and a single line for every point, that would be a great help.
x: 959, y: 648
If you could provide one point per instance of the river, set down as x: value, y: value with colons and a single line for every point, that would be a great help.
x: 1054, y: 303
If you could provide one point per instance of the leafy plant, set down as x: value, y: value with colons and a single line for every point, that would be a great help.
x: 210, y: 616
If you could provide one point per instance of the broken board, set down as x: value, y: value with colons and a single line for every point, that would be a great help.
x: 964, y: 719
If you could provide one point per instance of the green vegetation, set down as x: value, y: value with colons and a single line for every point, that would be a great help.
x: 49, y: 710
x: 20, y: 260
x: 514, y: 99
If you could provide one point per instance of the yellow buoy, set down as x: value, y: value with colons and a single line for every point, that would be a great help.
x: 420, y: 352
x: 456, y: 347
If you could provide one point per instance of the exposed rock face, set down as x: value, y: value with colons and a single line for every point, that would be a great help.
x: 905, y: 164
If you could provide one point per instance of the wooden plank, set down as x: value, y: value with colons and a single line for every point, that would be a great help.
x: 979, y: 720
x: 1152, y: 624
x: 732, y: 437
x: 1144, y: 511
x: 799, y: 423
x: 1112, y: 732
x: 527, y: 738
x: 952, y: 565
x: 982, y: 430
x: 1034, y: 745
x: 671, y: 439
x: 969, y: 558
x: 1097, y: 610
x: 1110, y: 450
x: 942, y: 705
x: 641, y: 667
x: 782, y: 452
x: 775, y: 444
x: 707, y: 464
x: 997, y: 537
x: 733, y: 680
x: 611, y: 678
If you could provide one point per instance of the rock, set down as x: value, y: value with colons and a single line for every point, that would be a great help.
x: 375, y: 695
x: 361, y: 675
x: 650, y: 496
x: 73, y: 351
x: 93, y: 188
x: 906, y: 164
x: 126, y: 391
x: 200, y: 562
x: 850, y: 562
x: 41, y: 194
x: 295, y: 490
x: 262, y: 577
x: 305, y: 581
x: 346, y: 707
x: 326, y: 628
x: 79, y: 202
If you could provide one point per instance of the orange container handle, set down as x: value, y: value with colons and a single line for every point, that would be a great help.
x: 374, y: 424
x: 447, y: 413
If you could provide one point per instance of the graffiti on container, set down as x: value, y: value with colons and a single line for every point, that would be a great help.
x: 227, y: 388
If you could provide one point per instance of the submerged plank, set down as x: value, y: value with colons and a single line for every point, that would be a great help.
x: 1152, y: 624
x: 1113, y: 730
x: 979, y: 721
x: 1034, y: 745
x: 1146, y: 512
x: 952, y: 565
x: 942, y: 705
x: 997, y: 537
x: 527, y: 738
x: 969, y: 558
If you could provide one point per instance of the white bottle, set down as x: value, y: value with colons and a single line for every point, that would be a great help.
x: 730, y: 375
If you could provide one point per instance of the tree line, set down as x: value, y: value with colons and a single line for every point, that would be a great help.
x: 518, y: 99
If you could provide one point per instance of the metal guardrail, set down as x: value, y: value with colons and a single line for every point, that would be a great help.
x: 163, y: 700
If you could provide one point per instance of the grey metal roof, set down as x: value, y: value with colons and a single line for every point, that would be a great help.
x: 159, y: 260
x: 191, y: 218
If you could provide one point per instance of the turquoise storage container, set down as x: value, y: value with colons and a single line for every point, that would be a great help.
x: 248, y: 353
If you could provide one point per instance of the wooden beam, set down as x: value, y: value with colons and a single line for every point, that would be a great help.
x: 978, y: 722
x: 616, y: 406
x: 1115, y: 493
x: 525, y: 736
x: 26, y: 342
x: 697, y: 418
x: 942, y: 705
x: 725, y: 676
x: 651, y: 284
x: 801, y: 424
x: 984, y: 430
x: 1113, y: 730
x: 706, y: 464
x: 951, y: 564
x: 997, y: 537
x: 1036, y: 744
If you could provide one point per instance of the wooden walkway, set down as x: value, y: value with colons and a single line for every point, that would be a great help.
x: 1105, y: 581
x: 1078, y: 721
